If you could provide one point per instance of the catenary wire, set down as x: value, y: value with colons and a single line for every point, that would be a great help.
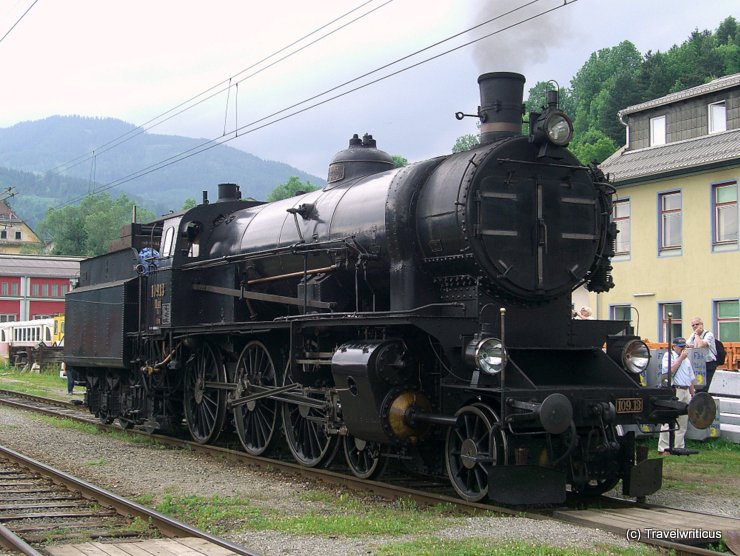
x: 18, y: 20
x: 219, y: 88
x: 209, y: 144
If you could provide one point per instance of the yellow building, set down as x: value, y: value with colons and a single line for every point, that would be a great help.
x: 677, y: 212
x: 14, y: 233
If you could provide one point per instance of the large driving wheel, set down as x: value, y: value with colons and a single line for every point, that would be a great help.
x: 305, y: 430
x: 363, y: 457
x: 205, y: 397
x: 256, y: 420
x: 469, y: 449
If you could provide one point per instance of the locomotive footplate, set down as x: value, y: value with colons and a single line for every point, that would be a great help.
x: 526, y: 484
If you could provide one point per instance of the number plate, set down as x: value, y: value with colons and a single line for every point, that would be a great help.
x: 629, y: 405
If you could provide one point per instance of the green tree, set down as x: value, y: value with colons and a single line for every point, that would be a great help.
x: 466, y: 142
x: 289, y: 189
x: 399, y: 161
x: 593, y: 146
x: 189, y: 203
x: 88, y: 228
x: 596, y: 79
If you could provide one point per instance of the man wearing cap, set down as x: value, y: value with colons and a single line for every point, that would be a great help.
x: 682, y: 379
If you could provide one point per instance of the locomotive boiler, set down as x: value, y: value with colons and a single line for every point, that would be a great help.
x: 418, y: 314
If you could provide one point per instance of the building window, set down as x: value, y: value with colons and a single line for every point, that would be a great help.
x: 44, y: 290
x: 55, y: 290
x: 670, y: 221
x: 657, y: 131
x: 728, y: 320
x: 35, y: 290
x: 5, y: 288
x: 621, y: 217
x: 3, y: 234
x: 675, y: 310
x: 64, y: 290
x: 621, y: 312
x: 7, y: 318
x: 18, y: 236
x: 14, y: 289
x: 725, y: 214
x: 717, y: 117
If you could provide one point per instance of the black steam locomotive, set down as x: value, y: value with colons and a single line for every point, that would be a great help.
x: 421, y: 314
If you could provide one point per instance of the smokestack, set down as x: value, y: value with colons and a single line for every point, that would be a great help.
x: 500, y: 111
x: 228, y: 192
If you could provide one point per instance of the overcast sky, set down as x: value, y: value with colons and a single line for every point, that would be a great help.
x: 137, y: 59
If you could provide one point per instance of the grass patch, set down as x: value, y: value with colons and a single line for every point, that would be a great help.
x: 45, y: 383
x: 96, y: 462
x: 430, y: 546
x: 348, y: 516
x: 88, y: 428
x: 698, y: 473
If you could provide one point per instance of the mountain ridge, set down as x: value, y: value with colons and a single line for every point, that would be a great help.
x: 53, y: 161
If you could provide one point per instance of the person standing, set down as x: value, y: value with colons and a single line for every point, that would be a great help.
x: 703, y: 340
x: 682, y: 379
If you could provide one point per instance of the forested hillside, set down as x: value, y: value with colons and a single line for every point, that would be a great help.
x: 617, y: 77
x: 35, y: 159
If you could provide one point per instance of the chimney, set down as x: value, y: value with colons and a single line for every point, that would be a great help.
x: 228, y: 192
x: 501, y: 108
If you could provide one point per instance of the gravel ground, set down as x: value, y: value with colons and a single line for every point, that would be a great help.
x: 132, y: 470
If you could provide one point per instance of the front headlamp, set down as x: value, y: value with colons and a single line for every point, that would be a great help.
x: 635, y: 356
x: 487, y: 354
x: 559, y: 129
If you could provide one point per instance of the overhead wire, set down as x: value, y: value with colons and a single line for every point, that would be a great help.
x: 219, y: 88
x: 245, y: 129
x: 18, y: 20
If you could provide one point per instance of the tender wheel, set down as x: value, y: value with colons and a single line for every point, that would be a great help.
x: 255, y: 421
x: 364, y: 457
x: 205, y: 402
x: 305, y: 432
x: 469, y: 449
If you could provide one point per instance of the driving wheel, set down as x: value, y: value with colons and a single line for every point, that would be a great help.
x: 305, y: 431
x: 468, y: 451
x: 205, y: 398
x: 255, y: 420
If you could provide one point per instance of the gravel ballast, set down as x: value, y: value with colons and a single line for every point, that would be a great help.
x: 131, y: 470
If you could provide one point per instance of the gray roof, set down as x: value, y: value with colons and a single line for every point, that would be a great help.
x: 700, y: 153
x: 41, y: 266
x: 711, y: 87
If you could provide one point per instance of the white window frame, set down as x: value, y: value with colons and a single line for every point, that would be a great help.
x: 672, y: 217
x: 624, y: 306
x: 723, y: 235
x: 624, y: 225
x: 676, y: 322
x: 723, y: 320
x: 658, y: 131
x: 717, y: 117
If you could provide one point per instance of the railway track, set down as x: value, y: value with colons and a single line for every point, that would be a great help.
x: 682, y: 531
x: 42, y: 506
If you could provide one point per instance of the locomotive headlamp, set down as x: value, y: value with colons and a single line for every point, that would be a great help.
x: 635, y: 356
x: 551, y: 127
x: 487, y: 354
x: 559, y: 129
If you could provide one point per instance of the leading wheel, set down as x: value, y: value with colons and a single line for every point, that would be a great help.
x: 305, y: 429
x: 256, y: 420
x: 363, y: 457
x: 205, y: 399
x: 468, y: 450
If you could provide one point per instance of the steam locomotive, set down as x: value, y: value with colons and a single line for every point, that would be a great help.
x: 418, y: 314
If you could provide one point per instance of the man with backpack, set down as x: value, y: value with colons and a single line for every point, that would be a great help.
x: 704, y: 341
